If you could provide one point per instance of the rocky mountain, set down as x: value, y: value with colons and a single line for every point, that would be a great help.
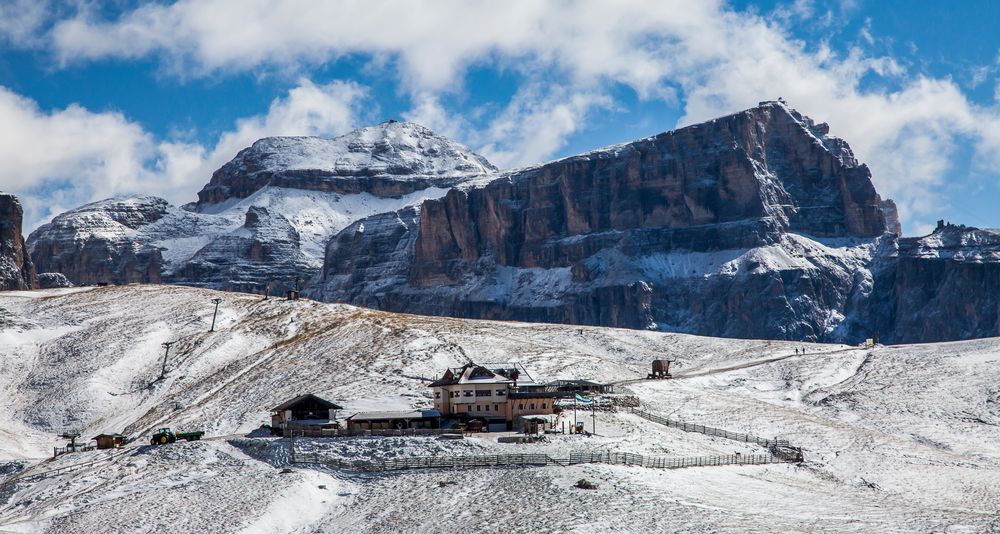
x: 16, y: 268
x: 759, y: 224
x: 756, y: 225
x: 264, y: 219
x: 389, y: 160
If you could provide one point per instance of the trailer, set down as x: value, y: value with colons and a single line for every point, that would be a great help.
x: 661, y: 369
x: 165, y: 435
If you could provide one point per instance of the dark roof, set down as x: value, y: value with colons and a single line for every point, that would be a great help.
x: 540, y: 394
x: 292, y: 402
x: 379, y: 416
x: 108, y: 436
x: 575, y: 382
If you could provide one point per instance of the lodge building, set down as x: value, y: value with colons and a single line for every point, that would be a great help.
x: 490, y: 392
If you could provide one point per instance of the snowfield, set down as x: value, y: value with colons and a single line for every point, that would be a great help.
x: 898, y: 439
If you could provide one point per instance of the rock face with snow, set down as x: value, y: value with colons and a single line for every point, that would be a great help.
x: 758, y: 224
x: 53, y: 281
x: 263, y: 253
x: 940, y: 287
x: 95, y: 243
x: 16, y: 268
x: 264, y: 220
x: 388, y: 160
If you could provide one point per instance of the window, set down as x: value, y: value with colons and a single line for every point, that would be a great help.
x: 496, y: 408
x: 467, y: 393
x: 483, y: 393
x: 468, y: 408
x: 487, y: 407
x: 543, y: 405
x: 454, y: 394
x: 532, y: 406
x: 437, y: 394
x: 520, y: 406
x: 501, y: 392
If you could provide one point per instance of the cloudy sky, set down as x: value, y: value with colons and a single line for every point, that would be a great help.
x: 131, y: 96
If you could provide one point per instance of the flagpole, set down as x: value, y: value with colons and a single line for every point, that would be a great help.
x: 593, y: 414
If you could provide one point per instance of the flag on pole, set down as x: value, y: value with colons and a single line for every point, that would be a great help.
x: 580, y: 399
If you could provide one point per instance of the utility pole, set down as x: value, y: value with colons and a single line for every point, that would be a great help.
x: 216, y: 312
x: 291, y: 441
x: 163, y: 372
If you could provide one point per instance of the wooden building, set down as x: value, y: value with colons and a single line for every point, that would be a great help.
x: 109, y: 441
x: 394, y: 420
x: 304, y: 411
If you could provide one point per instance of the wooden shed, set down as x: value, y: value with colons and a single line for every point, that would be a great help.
x: 304, y: 411
x: 109, y: 441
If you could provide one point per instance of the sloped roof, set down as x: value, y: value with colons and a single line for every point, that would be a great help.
x: 472, y: 373
x: 288, y: 404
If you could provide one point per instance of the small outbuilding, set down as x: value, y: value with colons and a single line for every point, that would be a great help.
x: 429, y: 418
x: 305, y: 411
x: 109, y: 441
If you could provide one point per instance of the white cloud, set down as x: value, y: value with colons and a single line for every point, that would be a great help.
x: 58, y: 160
x: 719, y: 60
x: 536, y: 124
x: 20, y: 20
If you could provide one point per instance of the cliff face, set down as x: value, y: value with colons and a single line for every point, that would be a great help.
x: 753, y: 225
x: 940, y: 287
x: 16, y: 268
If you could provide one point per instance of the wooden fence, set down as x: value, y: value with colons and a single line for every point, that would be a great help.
x: 711, y: 431
x: 538, y: 460
x: 84, y: 447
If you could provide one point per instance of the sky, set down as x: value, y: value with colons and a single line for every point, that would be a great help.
x: 128, y: 96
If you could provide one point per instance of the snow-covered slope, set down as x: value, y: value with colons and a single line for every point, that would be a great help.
x: 898, y: 439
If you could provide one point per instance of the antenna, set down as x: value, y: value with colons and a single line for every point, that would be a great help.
x: 163, y: 373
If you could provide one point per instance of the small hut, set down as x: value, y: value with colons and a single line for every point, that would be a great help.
x: 109, y: 441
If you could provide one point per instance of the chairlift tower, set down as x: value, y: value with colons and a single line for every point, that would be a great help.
x: 216, y: 301
x: 166, y: 352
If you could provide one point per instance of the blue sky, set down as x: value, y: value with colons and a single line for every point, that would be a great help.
x: 136, y: 97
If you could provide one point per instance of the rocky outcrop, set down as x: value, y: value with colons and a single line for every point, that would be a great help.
x: 388, y: 160
x: 758, y: 224
x: 16, y: 268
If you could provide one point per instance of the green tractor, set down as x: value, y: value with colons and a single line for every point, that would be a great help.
x: 165, y: 435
